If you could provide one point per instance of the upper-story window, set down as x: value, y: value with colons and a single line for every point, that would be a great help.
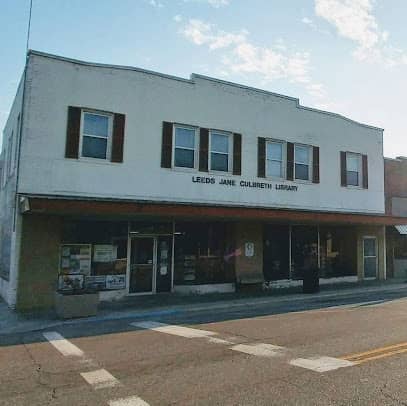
x: 96, y: 135
x: 353, y: 169
x: 275, y: 159
x: 220, y: 147
x: 10, y: 154
x: 185, y: 147
x: 302, y: 162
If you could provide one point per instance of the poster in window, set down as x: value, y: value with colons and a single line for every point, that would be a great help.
x: 115, y: 282
x: 75, y: 259
x: 103, y: 253
x: 97, y: 282
x: 249, y: 249
x: 68, y: 283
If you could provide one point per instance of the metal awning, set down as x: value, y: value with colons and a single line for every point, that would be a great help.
x: 401, y: 229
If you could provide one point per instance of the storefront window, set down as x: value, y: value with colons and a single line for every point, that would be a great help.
x: 338, y: 251
x: 304, y: 250
x: 203, y: 254
x: 276, y: 253
x: 93, y: 255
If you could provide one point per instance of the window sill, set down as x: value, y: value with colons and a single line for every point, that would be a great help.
x: 98, y: 161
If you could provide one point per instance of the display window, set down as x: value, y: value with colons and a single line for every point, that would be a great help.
x: 93, y: 255
x: 203, y: 253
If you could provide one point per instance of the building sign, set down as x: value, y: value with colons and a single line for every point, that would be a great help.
x: 244, y: 183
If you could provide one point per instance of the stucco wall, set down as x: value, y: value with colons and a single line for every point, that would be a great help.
x: 148, y: 100
x: 39, y: 258
x: 9, y: 227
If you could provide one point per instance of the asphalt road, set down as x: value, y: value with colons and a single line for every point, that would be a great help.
x: 344, y: 351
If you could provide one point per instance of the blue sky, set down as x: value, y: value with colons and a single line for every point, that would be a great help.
x: 346, y: 56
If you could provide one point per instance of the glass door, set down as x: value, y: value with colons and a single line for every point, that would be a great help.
x: 369, y: 257
x: 142, y: 265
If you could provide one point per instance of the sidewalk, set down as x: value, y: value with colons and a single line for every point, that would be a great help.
x: 163, y: 305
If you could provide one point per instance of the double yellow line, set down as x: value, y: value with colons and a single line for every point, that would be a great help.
x: 377, y: 353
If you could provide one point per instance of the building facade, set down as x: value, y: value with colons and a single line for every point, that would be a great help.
x: 395, y: 188
x: 134, y: 182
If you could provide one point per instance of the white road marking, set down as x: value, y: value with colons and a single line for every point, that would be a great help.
x: 130, y: 401
x: 64, y: 346
x: 321, y: 364
x: 100, y: 379
x: 173, y: 329
x: 260, y: 350
x: 216, y: 340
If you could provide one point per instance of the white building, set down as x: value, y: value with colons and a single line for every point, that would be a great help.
x: 139, y: 182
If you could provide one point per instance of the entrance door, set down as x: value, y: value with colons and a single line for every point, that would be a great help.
x: 369, y: 257
x: 142, y: 265
x: 150, y: 264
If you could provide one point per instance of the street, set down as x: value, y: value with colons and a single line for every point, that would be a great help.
x: 342, y: 352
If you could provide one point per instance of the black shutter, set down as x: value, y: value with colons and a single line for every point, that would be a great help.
x: 343, y: 169
x: 237, y: 154
x: 365, y: 175
x: 315, y: 164
x: 166, y: 146
x: 118, y: 137
x: 203, y: 149
x: 73, y: 132
x: 261, y: 157
x: 290, y: 161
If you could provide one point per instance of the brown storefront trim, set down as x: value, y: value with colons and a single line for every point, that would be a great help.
x: 132, y: 209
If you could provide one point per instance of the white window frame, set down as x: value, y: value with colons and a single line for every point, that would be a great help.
x: 109, y: 135
x: 360, y: 172
x: 310, y: 163
x: 283, y: 159
x: 196, y: 147
x: 230, y: 151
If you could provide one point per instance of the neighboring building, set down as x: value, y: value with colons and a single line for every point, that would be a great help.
x: 395, y: 188
x: 136, y: 182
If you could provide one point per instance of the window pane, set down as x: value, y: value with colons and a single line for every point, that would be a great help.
x: 301, y: 154
x: 352, y: 162
x: 369, y: 247
x: 94, y: 147
x: 184, y: 158
x: 184, y: 138
x: 301, y: 172
x: 370, y: 267
x: 274, y: 151
x: 219, y: 162
x: 95, y: 124
x: 352, y: 178
x: 219, y: 143
x: 274, y: 168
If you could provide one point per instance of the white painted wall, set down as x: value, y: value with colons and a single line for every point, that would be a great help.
x: 10, y: 235
x: 149, y: 99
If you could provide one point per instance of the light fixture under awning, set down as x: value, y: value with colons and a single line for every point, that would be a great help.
x: 401, y: 229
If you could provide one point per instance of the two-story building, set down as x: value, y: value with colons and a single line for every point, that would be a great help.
x: 135, y: 182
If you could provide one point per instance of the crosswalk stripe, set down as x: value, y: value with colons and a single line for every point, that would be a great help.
x: 259, y: 349
x: 130, y: 401
x: 100, y: 379
x: 173, y: 329
x: 64, y: 346
x: 321, y: 364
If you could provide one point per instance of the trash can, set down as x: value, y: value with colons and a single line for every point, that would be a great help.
x: 310, y: 282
